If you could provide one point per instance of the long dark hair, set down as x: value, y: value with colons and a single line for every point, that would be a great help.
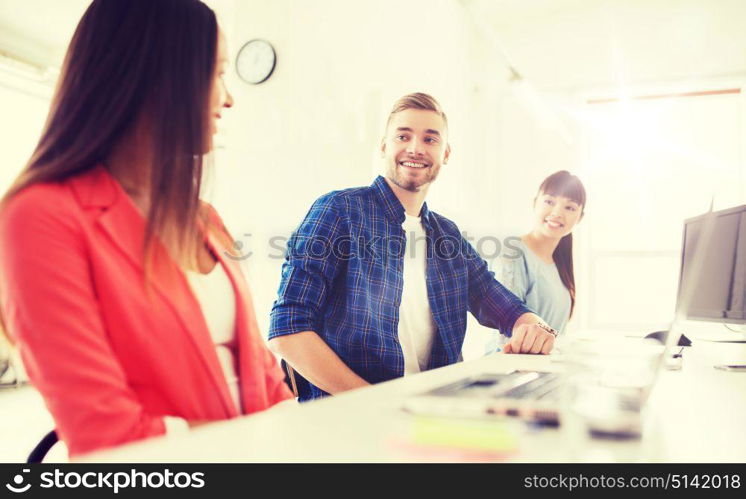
x: 565, y: 184
x: 130, y: 59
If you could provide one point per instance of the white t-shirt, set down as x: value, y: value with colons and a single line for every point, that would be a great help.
x: 217, y: 300
x: 215, y: 295
x: 416, y: 325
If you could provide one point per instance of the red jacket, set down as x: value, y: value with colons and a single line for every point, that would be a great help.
x: 110, y: 355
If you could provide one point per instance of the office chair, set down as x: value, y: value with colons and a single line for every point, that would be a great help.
x: 297, y: 383
x: 42, y: 448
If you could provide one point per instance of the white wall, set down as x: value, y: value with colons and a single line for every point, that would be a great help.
x: 575, y: 45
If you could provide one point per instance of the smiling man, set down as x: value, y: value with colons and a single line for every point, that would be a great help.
x: 376, y: 286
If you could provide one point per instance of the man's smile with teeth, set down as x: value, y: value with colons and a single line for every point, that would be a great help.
x: 412, y: 164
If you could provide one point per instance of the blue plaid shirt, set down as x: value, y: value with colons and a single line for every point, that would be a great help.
x: 342, y: 278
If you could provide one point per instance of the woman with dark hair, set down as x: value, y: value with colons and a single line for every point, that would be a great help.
x: 116, y: 281
x: 542, y: 273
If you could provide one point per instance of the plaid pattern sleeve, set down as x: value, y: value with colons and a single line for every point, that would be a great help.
x: 489, y: 301
x: 310, y: 267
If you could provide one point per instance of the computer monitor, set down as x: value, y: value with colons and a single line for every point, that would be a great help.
x: 712, y: 286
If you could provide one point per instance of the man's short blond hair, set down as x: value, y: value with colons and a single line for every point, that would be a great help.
x: 417, y: 100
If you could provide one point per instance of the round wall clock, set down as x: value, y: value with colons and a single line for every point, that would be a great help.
x: 256, y: 61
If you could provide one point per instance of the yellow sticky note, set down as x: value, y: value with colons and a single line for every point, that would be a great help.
x: 496, y: 436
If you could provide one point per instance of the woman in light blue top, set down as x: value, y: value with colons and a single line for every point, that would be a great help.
x: 541, y: 272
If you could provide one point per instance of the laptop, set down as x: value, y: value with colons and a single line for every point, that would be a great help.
x: 611, y: 401
x: 607, y: 382
x: 530, y: 395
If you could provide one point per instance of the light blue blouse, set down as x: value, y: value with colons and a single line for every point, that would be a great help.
x: 537, y: 284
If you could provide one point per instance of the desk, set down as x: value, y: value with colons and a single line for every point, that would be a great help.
x: 697, y: 414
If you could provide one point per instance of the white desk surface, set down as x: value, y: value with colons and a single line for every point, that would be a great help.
x: 697, y: 414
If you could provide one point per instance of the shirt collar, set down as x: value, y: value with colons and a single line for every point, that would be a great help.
x: 392, y: 206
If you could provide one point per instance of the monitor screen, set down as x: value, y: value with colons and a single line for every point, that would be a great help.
x: 712, y: 283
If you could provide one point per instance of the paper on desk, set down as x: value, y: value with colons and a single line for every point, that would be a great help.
x: 472, y: 434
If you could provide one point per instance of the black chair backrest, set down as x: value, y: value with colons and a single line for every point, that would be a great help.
x: 297, y: 383
x: 41, y: 449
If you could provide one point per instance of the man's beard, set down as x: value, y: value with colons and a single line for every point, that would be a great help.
x: 402, y: 180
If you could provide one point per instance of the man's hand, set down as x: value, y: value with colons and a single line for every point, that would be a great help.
x: 530, y: 338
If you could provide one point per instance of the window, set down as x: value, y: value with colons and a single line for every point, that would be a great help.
x: 649, y: 164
